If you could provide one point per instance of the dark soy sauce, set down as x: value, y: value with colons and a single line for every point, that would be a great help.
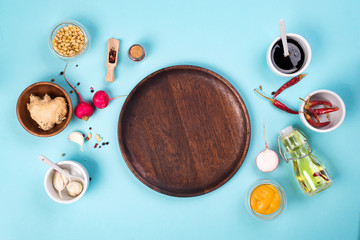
x: 291, y: 63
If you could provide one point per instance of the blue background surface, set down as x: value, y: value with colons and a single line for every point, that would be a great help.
x: 228, y: 37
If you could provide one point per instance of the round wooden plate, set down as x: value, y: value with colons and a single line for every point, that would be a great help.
x: 184, y: 131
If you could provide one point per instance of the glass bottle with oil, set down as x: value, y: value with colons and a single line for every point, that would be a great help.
x: 309, y: 171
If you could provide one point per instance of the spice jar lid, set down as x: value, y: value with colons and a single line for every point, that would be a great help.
x: 136, y: 52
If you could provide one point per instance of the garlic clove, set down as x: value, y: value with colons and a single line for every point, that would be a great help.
x: 74, y: 188
x: 60, y: 195
x: 78, y: 138
x: 65, y: 179
x: 60, y: 182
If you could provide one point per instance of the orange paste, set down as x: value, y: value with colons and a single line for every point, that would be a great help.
x: 265, y: 199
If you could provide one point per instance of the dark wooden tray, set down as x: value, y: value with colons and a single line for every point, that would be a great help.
x: 184, y: 131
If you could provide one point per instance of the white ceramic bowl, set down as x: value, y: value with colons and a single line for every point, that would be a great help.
x: 307, y: 52
x: 75, y: 169
x: 336, y: 118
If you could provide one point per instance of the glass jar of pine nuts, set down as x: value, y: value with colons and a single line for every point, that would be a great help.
x: 69, y: 40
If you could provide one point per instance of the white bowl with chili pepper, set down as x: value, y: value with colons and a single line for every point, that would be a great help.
x: 335, y: 118
x: 68, y: 40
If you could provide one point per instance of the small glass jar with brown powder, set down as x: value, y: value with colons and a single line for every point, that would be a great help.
x: 136, y: 52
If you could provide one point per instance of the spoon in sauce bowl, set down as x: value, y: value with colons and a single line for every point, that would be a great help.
x: 283, y: 37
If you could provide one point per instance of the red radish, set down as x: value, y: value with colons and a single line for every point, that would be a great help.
x: 267, y: 160
x: 101, y: 99
x: 83, y: 110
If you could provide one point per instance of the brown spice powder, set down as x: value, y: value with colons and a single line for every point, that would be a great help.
x: 136, y: 51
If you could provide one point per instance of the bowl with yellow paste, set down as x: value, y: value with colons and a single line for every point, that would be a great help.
x: 265, y: 199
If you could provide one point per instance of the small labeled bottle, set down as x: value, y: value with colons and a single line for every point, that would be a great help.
x: 309, y: 171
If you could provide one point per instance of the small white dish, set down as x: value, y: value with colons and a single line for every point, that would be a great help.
x: 307, y: 52
x: 336, y: 118
x: 75, y: 169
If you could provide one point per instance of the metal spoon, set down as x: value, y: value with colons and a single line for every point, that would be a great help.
x: 60, y: 170
x: 283, y: 37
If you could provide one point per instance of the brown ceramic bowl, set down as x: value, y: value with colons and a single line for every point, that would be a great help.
x: 40, y: 89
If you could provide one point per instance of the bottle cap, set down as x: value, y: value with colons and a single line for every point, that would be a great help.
x: 286, y: 131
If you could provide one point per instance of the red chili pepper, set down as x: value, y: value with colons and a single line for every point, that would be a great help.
x: 290, y: 83
x: 313, y: 113
x: 315, y: 124
x: 310, y: 110
x: 278, y: 104
x: 314, y: 103
x: 327, y: 114
x: 321, y: 111
x: 321, y: 174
